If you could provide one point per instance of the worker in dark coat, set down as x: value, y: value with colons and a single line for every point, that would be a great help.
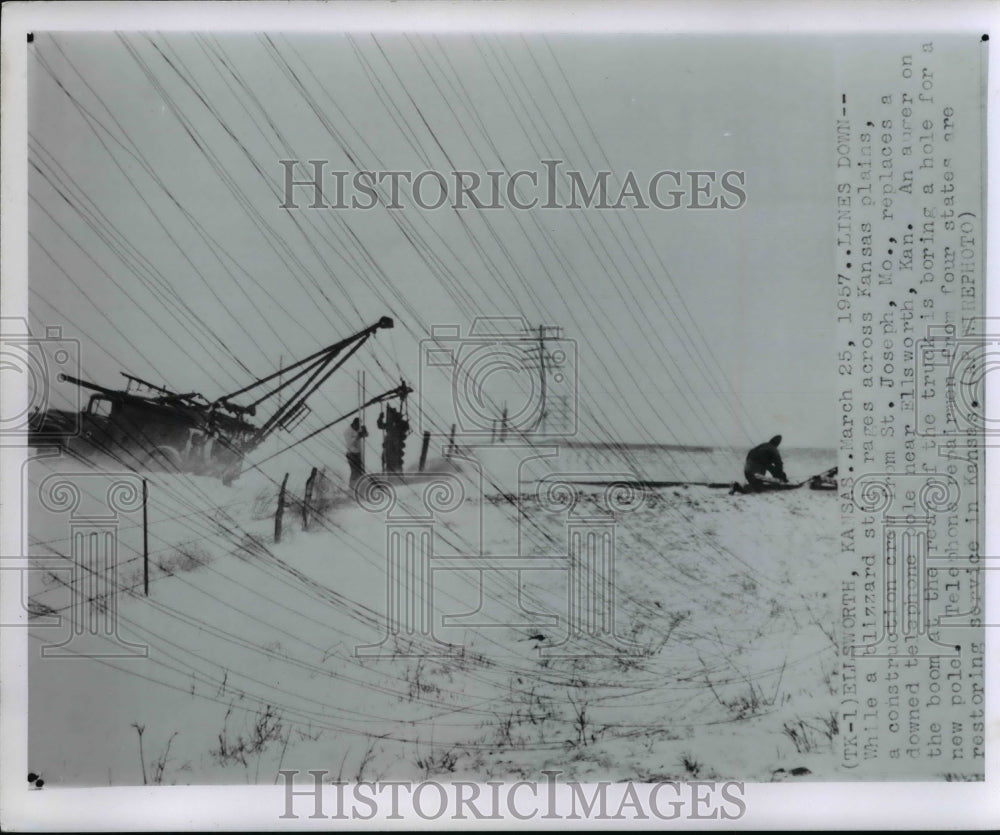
x: 386, y: 424
x: 353, y: 439
x: 762, y: 460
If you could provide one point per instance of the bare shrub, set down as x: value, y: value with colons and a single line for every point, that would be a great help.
x: 807, y: 736
x: 439, y: 761
x: 160, y: 763
x: 581, y: 720
x: 647, y: 642
x: 692, y: 768
x: 418, y: 683
x: 265, y: 727
x: 185, y: 557
x: 158, y: 767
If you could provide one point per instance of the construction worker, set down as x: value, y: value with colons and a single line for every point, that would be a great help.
x: 354, y: 436
x: 761, y: 460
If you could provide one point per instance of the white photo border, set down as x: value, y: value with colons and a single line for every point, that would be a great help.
x: 780, y: 805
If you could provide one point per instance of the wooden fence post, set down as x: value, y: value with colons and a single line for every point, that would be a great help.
x: 423, y: 450
x: 307, y: 499
x: 281, y: 509
x: 145, y: 539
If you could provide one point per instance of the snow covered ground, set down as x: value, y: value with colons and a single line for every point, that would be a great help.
x: 726, y: 662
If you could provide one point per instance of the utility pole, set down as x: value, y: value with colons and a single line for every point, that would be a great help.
x: 541, y: 367
x: 542, y: 423
x: 361, y: 411
x: 145, y: 539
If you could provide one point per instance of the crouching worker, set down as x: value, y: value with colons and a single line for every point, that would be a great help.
x: 762, y: 460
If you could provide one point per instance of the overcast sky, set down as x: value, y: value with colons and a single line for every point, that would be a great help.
x: 158, y: 240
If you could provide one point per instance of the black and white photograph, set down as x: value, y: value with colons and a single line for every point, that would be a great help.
x: 496, y: 423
